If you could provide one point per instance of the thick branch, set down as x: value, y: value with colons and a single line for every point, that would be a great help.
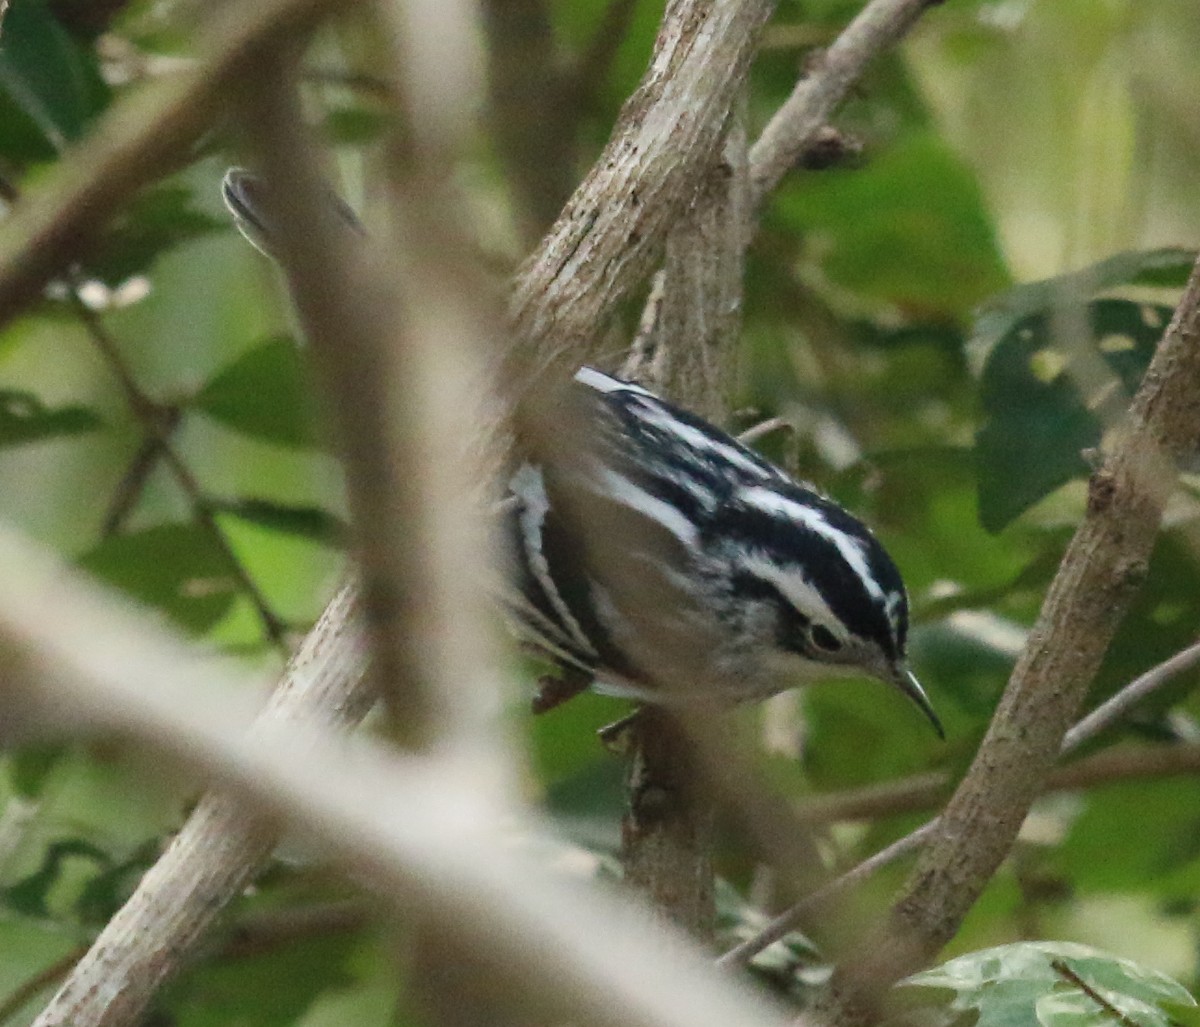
x: 216, y: 853
x: 1098, y: 578
x: 138, y: 139
x: 667, y: 834
x: 432, y: 837
x: 612, y: 231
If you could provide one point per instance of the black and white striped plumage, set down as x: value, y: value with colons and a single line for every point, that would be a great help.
x: 673, y: 563
x: 669, y: 562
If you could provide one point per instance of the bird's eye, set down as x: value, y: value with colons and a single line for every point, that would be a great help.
x: 824, y: 639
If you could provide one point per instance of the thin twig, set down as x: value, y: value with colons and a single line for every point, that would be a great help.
x: 764, y: 428
x: 158, y: 424
x: 1113, y: 709
x: 795, y: 127
x: 1104, y: 716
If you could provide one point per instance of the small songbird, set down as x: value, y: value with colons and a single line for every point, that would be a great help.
x: 656, y: 557
x: 672, y: 564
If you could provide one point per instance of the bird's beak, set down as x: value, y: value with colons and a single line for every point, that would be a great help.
x: 906, y: 681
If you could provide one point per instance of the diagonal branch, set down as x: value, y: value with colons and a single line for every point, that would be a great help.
x: 612, y: 230
x: 927, y: 789
x: 1100, y: 573
x: 138, y: 139
x: 431, y: 836
x: 798, y: 125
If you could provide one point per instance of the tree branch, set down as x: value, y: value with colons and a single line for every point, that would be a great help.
x: 139, y: 137
x: 612, y: 231
x: 431, y: 836
x: 798, y: 125
x: 217, y: 852
x: 1157, y: 761
x: 668, y: 832
x: 1100, y: 573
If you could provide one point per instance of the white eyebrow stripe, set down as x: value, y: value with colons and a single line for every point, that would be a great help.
x: 795, y: 588
x: 608, y: 482
x: 606, y: 383
x: 853, y: 551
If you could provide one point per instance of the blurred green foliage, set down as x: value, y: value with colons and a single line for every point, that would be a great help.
x: 1050, y: 142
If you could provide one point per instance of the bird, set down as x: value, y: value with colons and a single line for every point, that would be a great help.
x: 651, y: 555
x: 658, y: 558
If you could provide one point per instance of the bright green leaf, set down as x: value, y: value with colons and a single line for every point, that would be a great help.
x: 266, y: 393
x: 176, y: 568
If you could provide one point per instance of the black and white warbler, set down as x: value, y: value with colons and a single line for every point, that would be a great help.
x: 665, y: 561
x: 721, y: 579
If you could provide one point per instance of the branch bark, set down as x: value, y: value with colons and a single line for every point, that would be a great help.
x: 216, y: 853
x: 612, y: 231
x: 137, y: 141
x: 797, y: 127
x: 431, y: 836
x: 1100, y: 573
x: 667, y: 834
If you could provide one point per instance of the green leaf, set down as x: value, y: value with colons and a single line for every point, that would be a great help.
x: 272, y: 988
x: 1047, y: 396
x: 1000, y: 316
x: 266, y: 393
x: 157, y: 220
x: 24, y: 418
x: 176, y: 568
x: 1020, y: 984
x: 31, y: 895
x: 309, y: 522
x: 31, y: 767
x: 1164, y: 817
x: 50, y: 86
x: 910, y: 228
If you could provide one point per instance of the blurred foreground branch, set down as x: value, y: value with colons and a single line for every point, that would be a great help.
x: 430, y: 835
x: 222, y: 845
x: 141, y: 137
